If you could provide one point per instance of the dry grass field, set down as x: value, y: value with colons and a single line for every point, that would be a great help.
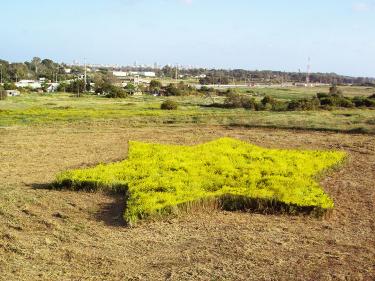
x: 61, y: 235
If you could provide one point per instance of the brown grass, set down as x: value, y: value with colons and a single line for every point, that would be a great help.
x: 62, y: 235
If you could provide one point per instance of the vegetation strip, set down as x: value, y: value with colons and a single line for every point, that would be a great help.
x: 231, y: 174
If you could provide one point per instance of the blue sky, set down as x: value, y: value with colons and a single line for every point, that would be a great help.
x: 338, y: 35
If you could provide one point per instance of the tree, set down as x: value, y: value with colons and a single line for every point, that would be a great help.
x: 3, y: 94
x: 172, y: 90
x: 130, y: 88
x: 10, y: 86
x: 35, y: 62
x: 155, y: 86
x: 77, y: 87
x: 62, y: 87
x: 4, y: 66
x: 18, y: 71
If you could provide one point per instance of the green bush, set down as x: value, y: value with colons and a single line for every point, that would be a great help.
x: 269, y: 100
x: 169, y: 105
x: 304, y: 104
x: 113, y: 91
x: 248, y: 102
x: 363, y: 102
x: 322, y: 95
x: 10, y: 86
x: 343, y: 102
x: 329, y: 101
x: 280, y: 106
x: 234, y: 100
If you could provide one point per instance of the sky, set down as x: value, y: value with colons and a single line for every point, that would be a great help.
x: 338, y: 35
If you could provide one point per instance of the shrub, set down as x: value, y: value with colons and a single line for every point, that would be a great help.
x: 372, y: 96
x: 280, y: 106
x: 363, y: 102
x: 304, y: 104
x: 207, y: 89
x: 268, y: 99
x: 226, y: 173
x: 330, y: 101
x: 234, y: 100
x: 322, y: 95
x: 169, y: 105
x: 116, y: 92
x: 334, y: 91
x: 10, y: 86
x: 344, y: 102
x: 248, y: 102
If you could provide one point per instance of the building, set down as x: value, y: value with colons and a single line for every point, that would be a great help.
x: 12, y: 93
x: 120, y: 74
x: 148, y: 74
x: 29, y: 84
x: 125, y: 75
x: 52, y: 87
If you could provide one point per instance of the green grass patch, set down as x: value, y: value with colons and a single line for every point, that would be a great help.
x: 226, y: 173
x: 52, y: 110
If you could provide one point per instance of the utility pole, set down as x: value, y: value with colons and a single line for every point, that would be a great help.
x: 85, y: 80
x: 78, y: 87
x: 308, y: 72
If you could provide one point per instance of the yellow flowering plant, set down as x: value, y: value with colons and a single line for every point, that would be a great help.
x: 225, y: 173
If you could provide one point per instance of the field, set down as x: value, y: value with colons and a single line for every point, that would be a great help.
x: 145, y: 111
x: 48, y: 234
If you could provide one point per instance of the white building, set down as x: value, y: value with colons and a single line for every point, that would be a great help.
x: 124, y: 74
x: 12, y: 93
x: 120, y: 74
x: 29, y: 84
x: 148, y: 74
x: 52, y: 87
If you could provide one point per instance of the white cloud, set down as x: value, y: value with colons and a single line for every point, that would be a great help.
x: 363, y: 6
x: 187, y: 2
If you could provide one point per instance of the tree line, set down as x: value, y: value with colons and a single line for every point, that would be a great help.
x: 47, y: 68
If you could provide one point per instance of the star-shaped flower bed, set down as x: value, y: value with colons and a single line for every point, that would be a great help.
x: 226, y: 173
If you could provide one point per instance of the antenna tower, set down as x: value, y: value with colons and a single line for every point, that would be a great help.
x: 308, y: 72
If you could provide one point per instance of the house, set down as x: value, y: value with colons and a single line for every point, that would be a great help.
x: 29, y: 84
x: 12, y: 93
x: 52, y: 87
x: 120, y: 74
x: 125, y: 75
x: 148, y: 74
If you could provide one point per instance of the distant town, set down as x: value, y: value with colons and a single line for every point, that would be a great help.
x: 45, y: 75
